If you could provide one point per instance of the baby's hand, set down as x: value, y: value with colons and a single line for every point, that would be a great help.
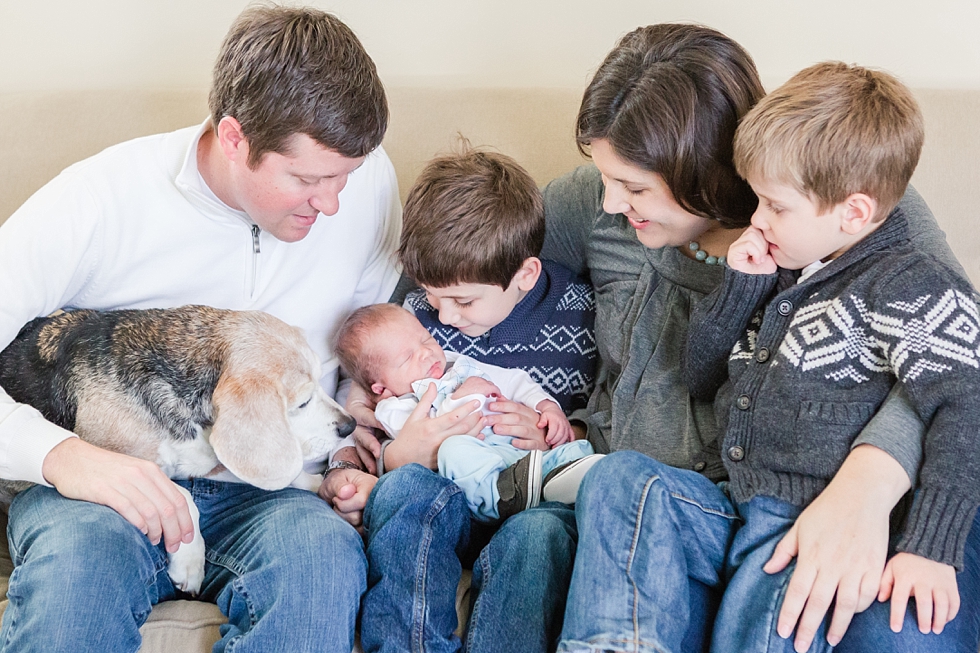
x: 933, y: 584
x: 476, y: 385
x: 553, y: 420
x: 750, y: 254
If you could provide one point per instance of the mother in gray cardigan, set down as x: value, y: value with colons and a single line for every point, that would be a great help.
x: 648, y: 224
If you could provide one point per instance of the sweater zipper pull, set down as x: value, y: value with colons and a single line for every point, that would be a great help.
x: 256, y: 250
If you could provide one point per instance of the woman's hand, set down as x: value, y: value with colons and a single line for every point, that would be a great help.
x: 518, y: 421
x: 750, y: 254
x: 840, y: 542
x: 421, y: 436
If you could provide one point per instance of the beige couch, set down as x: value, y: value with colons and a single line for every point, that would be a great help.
x: 41, y: 133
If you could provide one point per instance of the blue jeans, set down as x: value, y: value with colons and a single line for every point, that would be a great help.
x: 282, y: 566
x: 652, y: 537
x: 650, y: 562
x: 420, y: 534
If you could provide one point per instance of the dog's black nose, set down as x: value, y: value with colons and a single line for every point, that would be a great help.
x: 346, y: 428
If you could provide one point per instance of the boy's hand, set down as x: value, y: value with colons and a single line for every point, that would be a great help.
x: 476, y: 385
x: 933, y: 585
x: 554, y: 422
x: 420, y: 437
x: 750, y: 254
x: 840, y: 542
x: 518, y: 421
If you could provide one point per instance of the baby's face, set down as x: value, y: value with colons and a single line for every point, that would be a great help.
x: 407, y: 353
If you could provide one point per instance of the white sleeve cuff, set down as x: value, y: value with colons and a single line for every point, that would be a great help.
x: 346, y: 442
x: 26, y: 438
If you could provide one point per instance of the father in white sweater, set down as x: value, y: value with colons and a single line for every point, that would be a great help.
x: 282, y: 201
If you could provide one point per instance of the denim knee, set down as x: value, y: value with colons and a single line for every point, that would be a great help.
x: 96, y: 575
x: 79, y: 540
x: 412, y: 487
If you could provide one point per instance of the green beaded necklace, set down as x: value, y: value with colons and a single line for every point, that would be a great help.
x: 703, y: 256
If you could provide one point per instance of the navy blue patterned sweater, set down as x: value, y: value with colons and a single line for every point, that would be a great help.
x: 809, y: 370
x: 550, y: 334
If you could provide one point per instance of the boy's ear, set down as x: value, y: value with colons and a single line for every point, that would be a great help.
x: 232, y: 139
x: 858, y: 210
x: 528, y: 275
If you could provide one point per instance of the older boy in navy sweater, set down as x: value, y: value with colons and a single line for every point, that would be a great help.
x: 473, y: 230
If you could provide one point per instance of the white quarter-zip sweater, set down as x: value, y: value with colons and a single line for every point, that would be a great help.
x: 136, y: 227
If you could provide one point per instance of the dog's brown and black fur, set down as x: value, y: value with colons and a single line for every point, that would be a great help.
x: 131, y: 380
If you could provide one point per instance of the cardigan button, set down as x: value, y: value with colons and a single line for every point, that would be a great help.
x: 762, y: 355
x: 785, y: 307
x: 736, y: 453
x: 743, y: 402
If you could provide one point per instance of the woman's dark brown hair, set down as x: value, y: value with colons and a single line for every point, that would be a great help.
x: 668, y: 99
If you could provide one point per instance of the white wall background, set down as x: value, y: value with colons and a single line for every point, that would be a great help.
x: 89, y: 44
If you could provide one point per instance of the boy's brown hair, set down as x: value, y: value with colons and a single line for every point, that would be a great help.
x: 833, y: 130
x: 294, y: 70
x: 472, y: 217
x: 356, y: 358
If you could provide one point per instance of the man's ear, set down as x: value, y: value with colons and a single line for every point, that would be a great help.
x: 528, y: 275
x: 232, y: 139
x: 858, y: 211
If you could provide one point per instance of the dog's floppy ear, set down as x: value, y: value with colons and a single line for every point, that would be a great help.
x: 251, y: 436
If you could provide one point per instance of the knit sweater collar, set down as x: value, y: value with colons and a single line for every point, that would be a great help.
x: 532, y: 312
x: 893, y: 231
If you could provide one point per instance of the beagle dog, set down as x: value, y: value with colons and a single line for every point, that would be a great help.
x: 200, y: 391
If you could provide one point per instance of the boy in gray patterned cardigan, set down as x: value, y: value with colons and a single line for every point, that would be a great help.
x: 827, y: 303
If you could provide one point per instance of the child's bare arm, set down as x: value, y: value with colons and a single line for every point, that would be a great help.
x: 933, y: 584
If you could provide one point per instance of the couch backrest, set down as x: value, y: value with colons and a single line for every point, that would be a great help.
x: 41, y: 133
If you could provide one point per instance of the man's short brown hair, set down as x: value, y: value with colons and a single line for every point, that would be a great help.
x: 668, y: 98
x: 473, y: 217
x: 356, y: 358
x: 289, y: 70
x: 833, y: 130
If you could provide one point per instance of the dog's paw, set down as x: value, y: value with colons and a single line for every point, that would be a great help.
x: 186, y: 568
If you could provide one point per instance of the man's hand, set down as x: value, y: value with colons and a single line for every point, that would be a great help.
x: 933, y: 584
x: 555, y: 423
x: 347, y: 490
x: 360, y: 404
x: 750, y: 254
x: 135, y: 488
x: 420, y: 437
x: 518, y: 421
x: 840, y: 542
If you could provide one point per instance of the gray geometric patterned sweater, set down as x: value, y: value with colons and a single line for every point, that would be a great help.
x: 550, y: 334
x: 812, y: 362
